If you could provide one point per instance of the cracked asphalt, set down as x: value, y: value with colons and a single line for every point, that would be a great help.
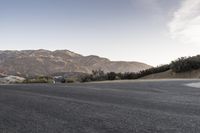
x: 165, y: 106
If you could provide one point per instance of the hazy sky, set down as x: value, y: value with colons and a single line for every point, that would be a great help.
x: 150, y: 31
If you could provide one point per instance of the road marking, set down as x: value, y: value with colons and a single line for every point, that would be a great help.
x: 194, y: 85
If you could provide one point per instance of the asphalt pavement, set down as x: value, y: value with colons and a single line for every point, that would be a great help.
x: 166, y: 106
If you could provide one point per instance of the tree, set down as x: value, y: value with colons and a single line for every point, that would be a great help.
x: 111, y: 76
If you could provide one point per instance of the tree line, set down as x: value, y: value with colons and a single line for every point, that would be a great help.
x: 182, y: 64
x: 185, y: 64
x: 99, y: 75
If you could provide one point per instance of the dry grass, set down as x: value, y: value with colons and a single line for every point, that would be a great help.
x: 169, y: 74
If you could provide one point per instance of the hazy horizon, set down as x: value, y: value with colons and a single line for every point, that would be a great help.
x: 150, y: 31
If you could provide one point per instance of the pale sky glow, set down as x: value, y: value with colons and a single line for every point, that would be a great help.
x: 150, y: 31
x: 185, y: 25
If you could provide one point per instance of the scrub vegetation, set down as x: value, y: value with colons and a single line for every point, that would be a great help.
x: 183, y: 64
x: 39, y: 79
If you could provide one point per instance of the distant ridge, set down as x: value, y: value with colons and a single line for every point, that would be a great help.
x: 44, y: 62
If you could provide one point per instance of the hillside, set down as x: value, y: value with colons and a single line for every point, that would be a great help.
x: 184, y: 67
x: 170, y: 74
x: 44, y: 62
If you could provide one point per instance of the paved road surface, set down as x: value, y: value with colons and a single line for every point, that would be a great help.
x: 126, y: 107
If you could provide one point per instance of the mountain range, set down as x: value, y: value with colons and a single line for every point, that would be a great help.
x: 45, y: 62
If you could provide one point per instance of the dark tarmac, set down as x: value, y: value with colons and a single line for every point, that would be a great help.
x: 166, y: 106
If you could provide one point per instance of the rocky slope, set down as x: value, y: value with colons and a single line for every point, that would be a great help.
x: 44, y: 62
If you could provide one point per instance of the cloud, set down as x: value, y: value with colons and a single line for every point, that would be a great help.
x: 185, y: 25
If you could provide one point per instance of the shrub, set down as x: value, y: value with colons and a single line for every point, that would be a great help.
x: 186, y: 64
x: 111, y: 76
x: 153, y: 70
x: 70, y: 80
x: 99, y: 75
x: 86, y: 78
x: 40, y: 79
